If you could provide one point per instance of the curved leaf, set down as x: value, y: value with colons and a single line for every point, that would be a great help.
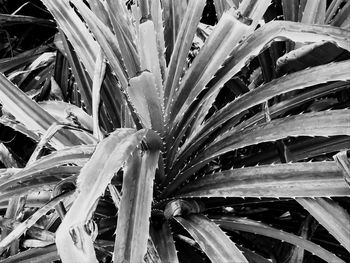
x: 30, y: 113
x: 11, y: 19
x: 253, y: 257
x: 77, y: 155
x: 24, y: 182
x: 257, y: 42
x: 85, y: 46
x: 314, y: 54
x: 294, y: 102
x: 107, y: 41
x: 241, y: 224
x: 84, y: 83
x: 22, y: 227
x: 328, y: 123
x: 37, y: 255
x: 225, y: 36
x: 64, y: 112
x: 19, y: 127
x: 212, y: 240
x: 76, y: 32
x: 295, y: 81
x: 330, y: 215
x: 124, y: 31
x: 72, y: 239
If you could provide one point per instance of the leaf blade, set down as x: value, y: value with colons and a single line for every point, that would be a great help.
x: 331, y: 215
x: 144, y: 98
x: 280, y: 180
x: 30, y: 113
x: 182, y: 47
x: 90, y: 188
x: 232, y: 223
x: 212, y: 240
x: 135, y: 208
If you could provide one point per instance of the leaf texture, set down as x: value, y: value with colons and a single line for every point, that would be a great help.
x: 182, y: 47
x: 144, y: 98
x: 30, y: 113
x: 73, y: 241
x: 212, y: 240
x: 328, y: 123
x: 135, y: 207
x: 330, y: 215
x: 280, y: 180
x: 260, y: 39
x: 163, y: 240
x: 233, y: 223
x: 21, y: 228
x: 149, y: 57
x: 225, y: 36
x: 295, y: 81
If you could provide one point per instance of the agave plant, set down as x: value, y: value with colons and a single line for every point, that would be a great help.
x: 162, y: 139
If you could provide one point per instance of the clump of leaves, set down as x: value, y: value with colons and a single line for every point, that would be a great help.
x: 166, y: 140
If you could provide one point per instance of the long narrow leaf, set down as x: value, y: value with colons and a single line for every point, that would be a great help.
x: 100, y: 70
x: 73, y: 242
x: 212, y: 240
x: 10, y: 20
x: 241, y: 224
x: 63, y: 112
x: 80, y: 76
x: 106, y: 39
x: 149, y: 56
x: 330, y: 215
x: 295, y: 81
x: 164, y: 242
x: 221, y: 6
x: 24, y: 182
x: 225, y: 36
x: 281, y: 180
x: 85, y: 46
x: 314, y: 12
x: 77, y: 155
x: 182, y: 47
x: 311, y: 124
x: 144, y: 98
x: 21, y: 228
x: 123, y: 30
x: 173, y: 15
x: 295, y: 101
x: 76, y: 32
x: 135, y: 208
x: 156, y: 13
x: 259, y: 40
x: 343, y: 162
x: 35, y: 255
x: 30, y: 113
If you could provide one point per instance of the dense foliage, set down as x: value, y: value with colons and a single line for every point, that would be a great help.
x: 175, y: 131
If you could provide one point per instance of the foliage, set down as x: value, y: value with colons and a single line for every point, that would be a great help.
x: 155, y: 131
